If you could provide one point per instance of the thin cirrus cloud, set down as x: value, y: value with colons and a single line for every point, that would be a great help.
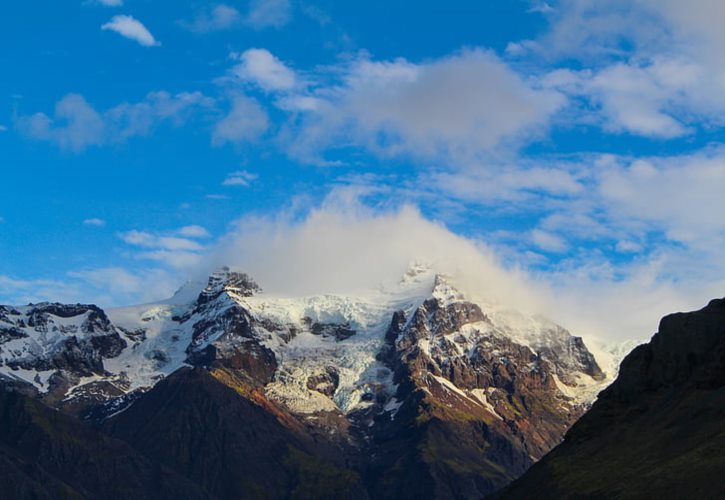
x: 240, y: 178
x: 95, y: 222
x: 269, y: 13
x: 179, y: 249
x: 131, y: 28
x: 218, y: 18
x: 260, y: 15
x: 77, y: 125
x: 193, y: 231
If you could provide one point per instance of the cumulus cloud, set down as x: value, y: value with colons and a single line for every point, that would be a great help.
x: 130, y: 28
x: 454, y: 107
x: 344, y: 247
x: 240, y: 178
x: 261, y: 67
x: 76, y: 125
x: 246, y: 121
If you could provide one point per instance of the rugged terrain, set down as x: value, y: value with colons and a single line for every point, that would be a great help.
x: 657, y: 432
x: 409, y: 391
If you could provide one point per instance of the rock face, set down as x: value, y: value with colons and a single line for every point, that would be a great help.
x: 657, y: 431
x: 410, y: 391
x: 475, y: 408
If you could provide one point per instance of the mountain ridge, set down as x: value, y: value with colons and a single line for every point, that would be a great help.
x: 656, y: 431
x: 408, y: 382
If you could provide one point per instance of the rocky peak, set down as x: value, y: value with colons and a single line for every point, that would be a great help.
x: 444, y: 290
x: 225, y: 280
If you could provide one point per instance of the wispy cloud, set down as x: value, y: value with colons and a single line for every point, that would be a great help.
x: 246, y: 121
x: 77, y: 125
x: 269, y: 13
x: 217, y: 18
x: 96, y: 222
x: 193, y: 232
x: 179, y: 249
x: 132, y: 29
x: 240, y: 178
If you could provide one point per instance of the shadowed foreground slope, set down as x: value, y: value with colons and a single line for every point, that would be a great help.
x: 657, y: 432
x: 45, y: 454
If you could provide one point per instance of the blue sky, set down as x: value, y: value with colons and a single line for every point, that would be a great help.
x: 578, y: 141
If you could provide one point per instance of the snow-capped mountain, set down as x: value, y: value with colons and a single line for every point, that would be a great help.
x: 411, y: 378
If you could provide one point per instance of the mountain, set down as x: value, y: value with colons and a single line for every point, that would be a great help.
x: 229, y: 444
x: 657, y: 432
x: 409, y: 390
x: 45, y: 454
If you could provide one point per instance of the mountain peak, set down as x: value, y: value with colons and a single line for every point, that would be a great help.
x: 225, y: 279
x: 444, y: 290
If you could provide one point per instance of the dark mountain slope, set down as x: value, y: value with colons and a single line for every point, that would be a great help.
x: 657, y: 432
x: 46, y: 454
x: 232, y: 446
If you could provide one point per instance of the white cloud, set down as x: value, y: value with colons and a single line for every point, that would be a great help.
x: 548, y: 242
x: 76, y: 125
x: 115, y: 286
x: 218, y: 18
x: 659, y: 98
x: 652, y: 67
x: 110, y: 3
x: 269, y: 13
x: 457, y: 107
x: 177, y: 249
x: 193, y: 232
x: 246, y: 121
x: 132, y: 29
x: 150, y: 240
x: 343, y: 247
x: 80, y: 125
x: 680, y: 197
x: 94, y: 222
x: 262, y: 68
x: 541, y: 7
x: 240, y: 178
x: 25, y: 291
